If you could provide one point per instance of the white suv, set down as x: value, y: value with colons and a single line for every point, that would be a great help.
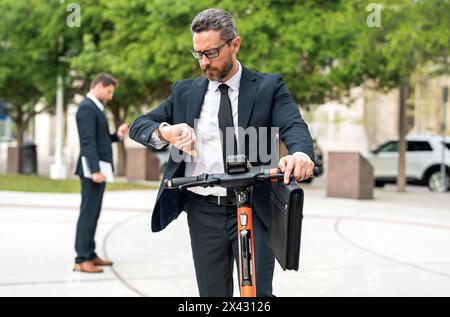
x: 423, y: 161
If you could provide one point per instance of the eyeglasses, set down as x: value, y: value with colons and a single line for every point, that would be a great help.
x: 212, y: 53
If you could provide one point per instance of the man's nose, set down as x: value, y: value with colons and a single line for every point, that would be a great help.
x: 205, y: 60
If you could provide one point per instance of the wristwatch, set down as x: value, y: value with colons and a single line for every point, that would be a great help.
x: 162, y: 125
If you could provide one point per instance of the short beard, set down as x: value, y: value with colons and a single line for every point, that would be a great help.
x: 222, y: 72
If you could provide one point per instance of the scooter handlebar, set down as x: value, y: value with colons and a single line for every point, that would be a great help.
x: 206, y: 180
x: 179, y: 181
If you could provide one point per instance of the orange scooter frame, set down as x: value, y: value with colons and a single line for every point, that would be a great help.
x: 247, y: 273
x: 246, y: 261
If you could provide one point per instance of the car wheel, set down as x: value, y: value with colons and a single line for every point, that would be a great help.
x: 435, y: 184
x: 379, y: 183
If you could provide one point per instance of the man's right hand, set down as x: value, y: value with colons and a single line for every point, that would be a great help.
x: 181, y: 136
x: 98, y: 178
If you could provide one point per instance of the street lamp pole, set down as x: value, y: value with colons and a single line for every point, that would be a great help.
x: 58, y: 169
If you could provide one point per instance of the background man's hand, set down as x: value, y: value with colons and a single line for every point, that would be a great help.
x: 298, y: 164
x: 122, y: 132
x: 98, y: 178
x: 181, y: 136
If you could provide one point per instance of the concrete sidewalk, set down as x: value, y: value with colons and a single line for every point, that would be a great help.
x: 394, y: 245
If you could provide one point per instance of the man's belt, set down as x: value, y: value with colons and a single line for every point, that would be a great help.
x: 217, y: 200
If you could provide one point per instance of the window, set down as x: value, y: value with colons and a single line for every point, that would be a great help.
x: 388, y: 147
x: 419, y: 146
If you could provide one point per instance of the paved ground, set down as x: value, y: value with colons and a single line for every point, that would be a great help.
x: 394, y: 245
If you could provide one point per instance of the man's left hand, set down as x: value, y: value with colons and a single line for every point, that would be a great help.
x: 122, y: 132
x: 298, y: 164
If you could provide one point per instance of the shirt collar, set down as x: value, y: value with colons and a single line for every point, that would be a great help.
x: 96, y: 101
x: 233, y: 82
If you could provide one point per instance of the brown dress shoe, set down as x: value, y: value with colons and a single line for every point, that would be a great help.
x: 87, y: 267
x: 101, y: 262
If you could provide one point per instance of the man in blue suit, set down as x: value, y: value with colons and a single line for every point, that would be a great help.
x: 95, y: 146
x: 228, y: 96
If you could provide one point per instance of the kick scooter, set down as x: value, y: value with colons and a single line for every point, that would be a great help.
x: 241, y: 177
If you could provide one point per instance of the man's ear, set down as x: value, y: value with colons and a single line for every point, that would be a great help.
x: 236, y: 44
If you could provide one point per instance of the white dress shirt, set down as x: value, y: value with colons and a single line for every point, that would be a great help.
x: 96, y: 101
x: 208, y: 145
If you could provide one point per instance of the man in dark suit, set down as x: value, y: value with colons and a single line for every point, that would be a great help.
x: 95, y: 146
x: 229, y: 96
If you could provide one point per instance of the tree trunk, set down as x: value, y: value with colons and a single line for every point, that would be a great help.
x: 402, y: 146
x: 20, y: 126
x: 121, y: 154
x: 20, y: 131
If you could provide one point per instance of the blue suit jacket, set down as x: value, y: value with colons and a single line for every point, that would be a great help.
x: 95, y: 139
x: 264, y: 101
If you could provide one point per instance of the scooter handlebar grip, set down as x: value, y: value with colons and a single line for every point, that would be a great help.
x: 177, y: 182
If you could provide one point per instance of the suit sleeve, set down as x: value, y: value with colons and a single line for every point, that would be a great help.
x: 294, y: 132
x: 114, y: 137
x: 142, y: 128
x: 86, y: 123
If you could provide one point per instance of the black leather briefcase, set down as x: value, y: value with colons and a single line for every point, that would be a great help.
x: 285, y: 225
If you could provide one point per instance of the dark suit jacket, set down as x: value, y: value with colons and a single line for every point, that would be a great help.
x: 95, y: 139
x: 264, y: 101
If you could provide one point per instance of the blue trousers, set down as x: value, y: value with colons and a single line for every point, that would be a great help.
x: 91, y: 205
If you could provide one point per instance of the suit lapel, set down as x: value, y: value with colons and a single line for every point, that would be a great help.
x: 95, y: 107
x: 247, y: 90
x: 101, y: 113
x: 246, y: 99
x: 195, y: 100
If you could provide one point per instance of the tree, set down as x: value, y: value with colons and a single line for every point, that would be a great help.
x: 17, y: 76
x: 322, y: 48
x: 102, y: 52
x: 33, y: 44
x: 414, y: 35
x: 125, y: 43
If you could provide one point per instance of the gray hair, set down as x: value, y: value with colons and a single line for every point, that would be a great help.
x: 217, y: 20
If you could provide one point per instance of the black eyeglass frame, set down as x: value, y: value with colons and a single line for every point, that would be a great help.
x: 211, y: 53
